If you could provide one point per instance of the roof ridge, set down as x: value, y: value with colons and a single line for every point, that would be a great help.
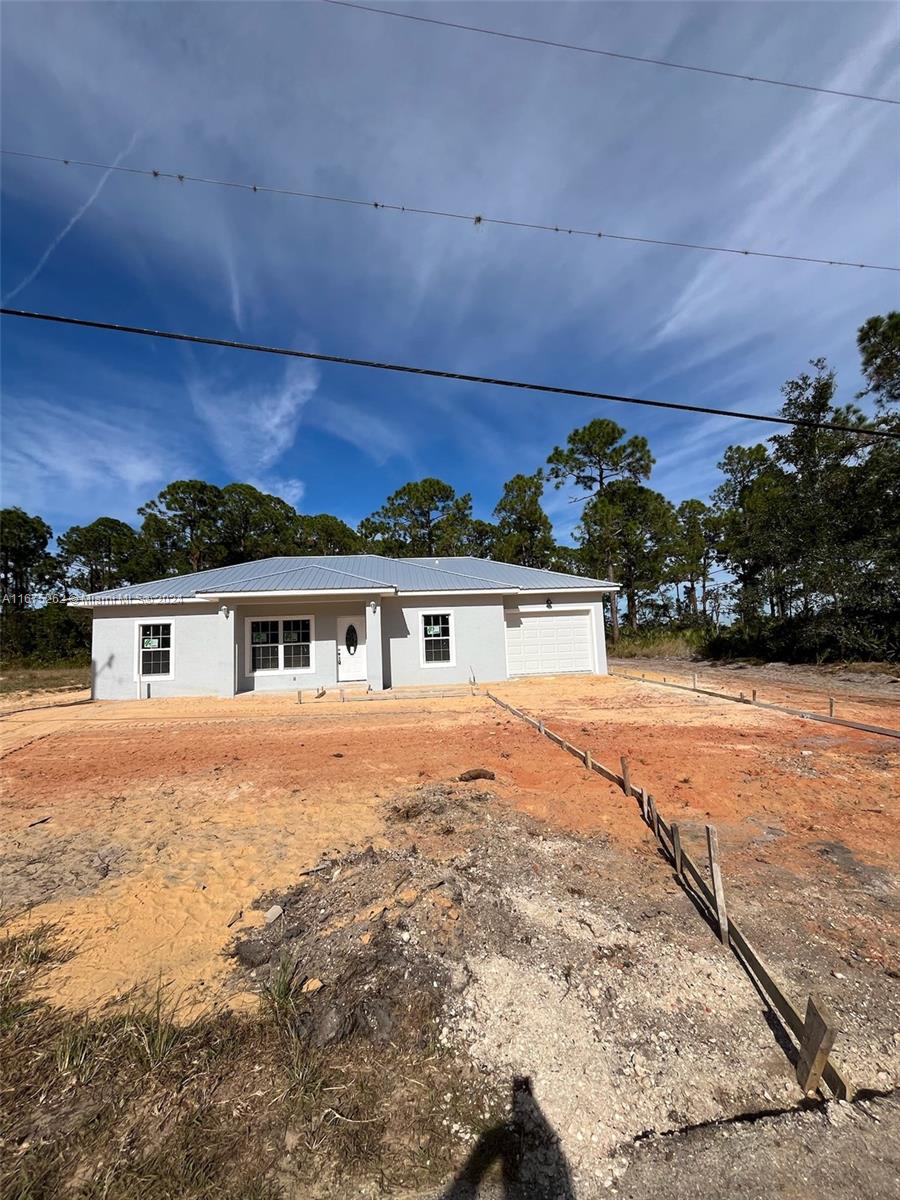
x: 337, y: 571
x: 291, y: 570
x: 543, y: 570
x: 517, y: 566
x: 185, y: 575
x: 443, y: 570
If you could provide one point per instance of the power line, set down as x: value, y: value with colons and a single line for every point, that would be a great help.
x: 469, y: 218
x: 432, y: 373
x: 654, y: 62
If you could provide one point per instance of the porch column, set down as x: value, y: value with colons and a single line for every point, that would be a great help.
x: 374, y: 652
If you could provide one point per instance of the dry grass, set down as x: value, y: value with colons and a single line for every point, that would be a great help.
x: 44, y: 679
x: 135, y: 1102
x: 655, y: 645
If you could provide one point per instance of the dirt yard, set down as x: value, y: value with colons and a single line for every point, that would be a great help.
x: 530, y: 908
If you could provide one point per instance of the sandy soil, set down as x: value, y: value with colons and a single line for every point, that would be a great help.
x: 167, y: 818
x: 807, y: 823
x: 156, y: 833
x: 870, y: 696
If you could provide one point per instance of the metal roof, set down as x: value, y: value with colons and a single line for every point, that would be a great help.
x: 521, y: 578
x: 305, y: 574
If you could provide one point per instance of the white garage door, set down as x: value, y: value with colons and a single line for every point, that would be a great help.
x: 548, y: 643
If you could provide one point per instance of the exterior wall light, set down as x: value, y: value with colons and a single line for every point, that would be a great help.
x: 224, y: 610
x: 374, y: 606
x: 549, y: 602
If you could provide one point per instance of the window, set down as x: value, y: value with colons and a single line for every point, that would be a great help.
x: 264, y: 645
x: 280, y: 644
x: 297, y: 644
x: 436, y: 639
x: 155, y: 649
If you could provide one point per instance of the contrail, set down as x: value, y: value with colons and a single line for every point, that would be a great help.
x: 73, y: 221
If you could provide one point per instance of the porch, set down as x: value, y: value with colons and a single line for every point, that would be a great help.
x: 308, y: 645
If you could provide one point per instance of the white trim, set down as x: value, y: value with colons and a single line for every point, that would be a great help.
x: 498, y: 592
x: 570, y: 591
x: 149, y: 601
x: 565, y: 606
x: 331, y: 593
x: 139, y: 677
x: 438, y: 611
x: 281, y: 669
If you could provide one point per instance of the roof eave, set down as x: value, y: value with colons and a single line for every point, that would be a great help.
x: 110, y: 601
x: 293, y: 593
x: 575, y: 591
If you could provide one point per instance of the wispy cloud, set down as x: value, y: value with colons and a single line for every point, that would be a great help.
x: 378, y: 438
x: 291, y: 490
x: 253, y: 426
x: 72, y: 221
x: 100, y: 464
x: 538, y: 136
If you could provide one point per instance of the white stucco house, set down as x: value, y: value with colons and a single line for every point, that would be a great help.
x: 343, y: 620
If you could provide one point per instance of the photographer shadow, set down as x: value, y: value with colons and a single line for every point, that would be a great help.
x: 526, y: 1147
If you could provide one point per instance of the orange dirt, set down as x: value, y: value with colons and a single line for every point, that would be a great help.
x: 168, y: 817
x: 745, y: 769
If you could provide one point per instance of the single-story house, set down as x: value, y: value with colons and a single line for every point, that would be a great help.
x: 336, y: 620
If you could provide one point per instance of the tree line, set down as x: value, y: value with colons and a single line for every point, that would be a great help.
x: 802, y: 533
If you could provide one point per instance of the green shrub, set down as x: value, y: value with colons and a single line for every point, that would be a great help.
x: 51, y: 636
x: 822, y: 637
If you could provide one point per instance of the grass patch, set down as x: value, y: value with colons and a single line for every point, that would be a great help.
x: 657, y: 644
x: 44, y: 679
x: 135, y: 1102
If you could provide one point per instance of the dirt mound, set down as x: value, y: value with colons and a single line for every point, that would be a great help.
x: 378, y: 935
x: 529, y: 954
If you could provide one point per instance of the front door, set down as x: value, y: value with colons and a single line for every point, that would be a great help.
x: 351, y: 649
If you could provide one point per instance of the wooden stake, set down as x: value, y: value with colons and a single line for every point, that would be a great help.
x: 754, y: 695
x: 652, y: 814
x: 831, y: 706
x: 819, y: 1032
x: 742, y: 695
x: 712, y: 844
x: 642, y: 793
x: 695, y: 681
x: 626, y: 776
x: 676, y: 847
x: 299, y: 697
x: 540, y: 727
x: 587, y: 760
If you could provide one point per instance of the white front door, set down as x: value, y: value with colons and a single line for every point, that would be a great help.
x: 351, y: 648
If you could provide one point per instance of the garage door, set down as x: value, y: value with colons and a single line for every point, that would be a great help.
x: 548, y: 643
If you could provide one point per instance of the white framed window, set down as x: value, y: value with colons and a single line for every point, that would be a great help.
x: 280, y: 645
x: 155, y: 653
x: 436, y: 639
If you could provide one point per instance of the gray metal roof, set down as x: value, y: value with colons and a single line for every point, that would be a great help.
x: 349, y: 572
x: 522, y: 578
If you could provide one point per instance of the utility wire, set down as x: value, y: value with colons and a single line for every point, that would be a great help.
x: 469, y: 218
x: 654, y: 62
x: 429, y: 372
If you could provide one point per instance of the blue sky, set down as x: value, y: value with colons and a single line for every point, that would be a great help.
x: 321, y: 98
